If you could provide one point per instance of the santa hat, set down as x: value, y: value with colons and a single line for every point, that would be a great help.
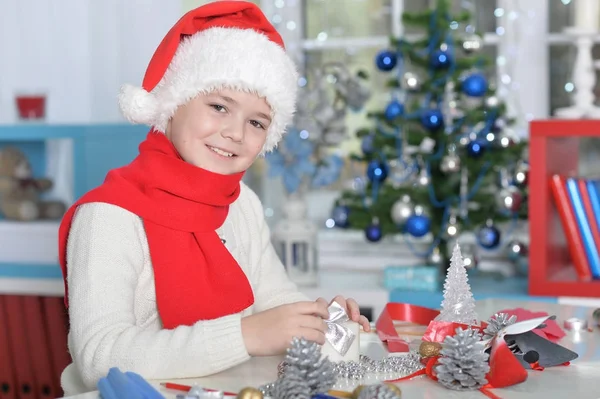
x: 225, y: 44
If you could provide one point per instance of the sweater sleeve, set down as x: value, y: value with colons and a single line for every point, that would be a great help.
x: 105, y: 255
x: 274, y: 288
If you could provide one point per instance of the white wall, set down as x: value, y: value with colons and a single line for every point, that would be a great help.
x: 79, y: 52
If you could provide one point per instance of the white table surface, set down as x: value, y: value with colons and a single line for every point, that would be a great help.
x: 579, y: 380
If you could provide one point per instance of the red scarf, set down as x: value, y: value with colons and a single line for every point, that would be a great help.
x: 181, y: 206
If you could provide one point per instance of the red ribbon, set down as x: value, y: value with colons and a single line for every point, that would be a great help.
x: 436, y: 330
x: 401, y: 312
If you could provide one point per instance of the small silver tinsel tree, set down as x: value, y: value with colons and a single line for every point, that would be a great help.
x: 497, y: 323
x: 377, y: 391
x: 458, y: 305
x: 463, y: 364
x: 304, y: 371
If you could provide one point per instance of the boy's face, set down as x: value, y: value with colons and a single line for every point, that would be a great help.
x: 222, y: 132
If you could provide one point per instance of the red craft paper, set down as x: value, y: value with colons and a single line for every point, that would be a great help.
x: 505, y: 368
x: 552, y: 332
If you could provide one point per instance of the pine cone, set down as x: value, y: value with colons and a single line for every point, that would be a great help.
x: 377, y: 391
x: 464, y: 364
x: 304, y: 361
x: 303, y: 353
x: 291, y: 386
x: 321, y: 378
x: 497, y: 323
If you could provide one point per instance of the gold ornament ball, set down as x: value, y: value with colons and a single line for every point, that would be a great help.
x: 394, y: 388
x: 250, y: 393
x: 429, y: 349
x: 356, y: 392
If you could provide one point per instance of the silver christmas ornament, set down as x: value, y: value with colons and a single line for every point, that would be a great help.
x: 423, y: 179
x: 450, y: 163
x: 470, y: 256
x: 472, y: 43
x: 510, y: 199
x: 434, y: 258
x: 356, y: 185
x: 400, y: 172
x: 521, y: 174
x: 379, y: 391
x: 516, y: 250
x: 492, y: 102
x: 401, y: 210
x: 411, y: 81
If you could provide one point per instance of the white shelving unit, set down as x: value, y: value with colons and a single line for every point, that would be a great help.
x: 36, y: 242
x: 29, y: 243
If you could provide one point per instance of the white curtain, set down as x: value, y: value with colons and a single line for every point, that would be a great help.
x: 78, y: 52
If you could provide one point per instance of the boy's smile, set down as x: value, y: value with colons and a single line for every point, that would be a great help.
x: 222, y: 131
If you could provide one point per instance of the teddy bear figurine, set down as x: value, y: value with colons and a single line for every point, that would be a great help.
x: 20, y: 192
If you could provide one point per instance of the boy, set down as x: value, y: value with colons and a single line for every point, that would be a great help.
x: 168, y: 266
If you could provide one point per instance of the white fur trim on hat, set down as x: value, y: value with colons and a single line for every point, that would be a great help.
x: 239, y: 59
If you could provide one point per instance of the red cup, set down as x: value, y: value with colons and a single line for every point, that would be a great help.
x: 31, y: 106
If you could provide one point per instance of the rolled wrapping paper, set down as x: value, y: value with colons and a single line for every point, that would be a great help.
x: 342, y: 340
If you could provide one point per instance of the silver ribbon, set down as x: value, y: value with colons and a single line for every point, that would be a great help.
x: 339, y: 336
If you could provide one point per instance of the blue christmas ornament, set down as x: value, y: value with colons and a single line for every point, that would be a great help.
x: 441, y: 59
x: 488, y: 236
x: 476, y: 148
x: 432, y: 119
x: 377, y: 171
x: 417, y: 225
x: 340, y: 216
x: 366, y: 144
x: 394, y: 110
x: 373, y: 232
x: 386, y: 60
x: 475, y: 85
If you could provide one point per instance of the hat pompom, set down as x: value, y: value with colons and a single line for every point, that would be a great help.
x: 137, y: 105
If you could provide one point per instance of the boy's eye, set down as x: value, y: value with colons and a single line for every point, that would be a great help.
x: 257, y: 124
x: 218, y: 107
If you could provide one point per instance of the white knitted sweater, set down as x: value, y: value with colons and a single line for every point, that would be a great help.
x: 112, y: 301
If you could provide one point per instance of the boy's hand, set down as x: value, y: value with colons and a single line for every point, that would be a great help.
x: 270, y: 332
x: 352, y: 309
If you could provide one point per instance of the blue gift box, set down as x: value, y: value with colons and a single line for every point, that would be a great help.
x: 414, y: 278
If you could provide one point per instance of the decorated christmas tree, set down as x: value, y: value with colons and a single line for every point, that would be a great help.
x: 458, y: 305
x: 441, y: 158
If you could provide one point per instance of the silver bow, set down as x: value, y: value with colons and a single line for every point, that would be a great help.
x: 339, y: 336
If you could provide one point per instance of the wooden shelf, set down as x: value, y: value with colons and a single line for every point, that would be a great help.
x: 554, y: 149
